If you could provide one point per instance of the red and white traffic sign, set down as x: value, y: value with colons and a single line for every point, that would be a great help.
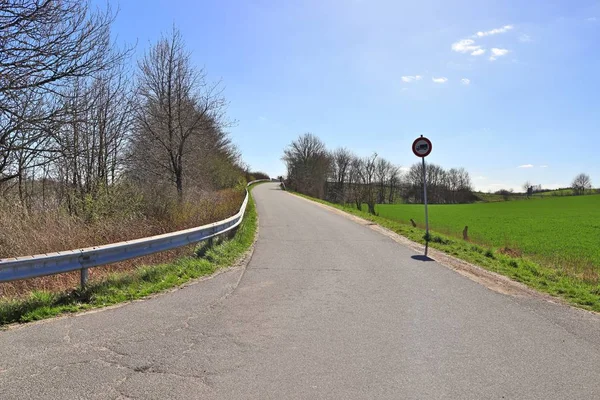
x: 421, y: 147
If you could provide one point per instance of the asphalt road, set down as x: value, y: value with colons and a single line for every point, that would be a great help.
x: 326, y: 309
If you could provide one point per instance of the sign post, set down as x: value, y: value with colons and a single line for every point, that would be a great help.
x: 421, y: 147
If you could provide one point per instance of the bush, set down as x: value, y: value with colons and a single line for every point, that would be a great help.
x: 440, y: 240
x: 119, y: 215
x: 256, y: 176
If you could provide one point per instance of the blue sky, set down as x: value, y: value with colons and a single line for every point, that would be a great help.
x: 509, y: 90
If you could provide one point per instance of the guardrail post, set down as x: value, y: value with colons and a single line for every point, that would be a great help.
x: 84, y: 277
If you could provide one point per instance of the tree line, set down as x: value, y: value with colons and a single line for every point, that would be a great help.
x: 343, y: 177
x: 79, y: 123
x: 581, y: 185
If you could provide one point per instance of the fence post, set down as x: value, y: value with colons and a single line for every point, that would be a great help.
x: 84, y: 277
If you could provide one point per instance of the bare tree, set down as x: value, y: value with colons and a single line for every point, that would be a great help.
x: 452, y: 186
x: 24, y: 142
x: 43, y: 45
x: 382, y: 171
x: 355, y: 193
x: 581, y: 183
x: 179, y: 116
x: 308, y: 164
x: 463, y: 187
x: 342, y: 158
x: 343, y: 177
x: 368, y: 178
x: 92, y: 139
x: 394, y: 180
x: 527, y: 188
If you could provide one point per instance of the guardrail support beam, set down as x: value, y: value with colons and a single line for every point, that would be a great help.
x: 84, y: 277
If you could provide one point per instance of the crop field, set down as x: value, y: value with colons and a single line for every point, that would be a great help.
x: 560, y: 230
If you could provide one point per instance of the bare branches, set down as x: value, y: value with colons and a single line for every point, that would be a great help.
x: 44, y: 46
x: 342, y: 158
x: 43, y: 42
x: 452, y: 186
x: 343, y: 177
x: 308, y: 164
x: 581, y: 183
x: 179, y: 118
x: 68, y: 119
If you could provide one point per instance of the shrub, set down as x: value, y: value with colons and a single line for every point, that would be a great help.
x: 440, y: 240
x: 117, y: 216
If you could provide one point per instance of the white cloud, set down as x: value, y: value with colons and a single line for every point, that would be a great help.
x: 499, y: 52
x: 404, y: 169
x: 441, y: 79
x: 496, y: 52
x: 525, y: 166
x: 466, y: 46
x: 262, y: 118
x: 543, y: 166
x: 465, y: 81
x: 411, y: 78
x: 496, y: 31
x: 524, y: 38
x: 592, y: 19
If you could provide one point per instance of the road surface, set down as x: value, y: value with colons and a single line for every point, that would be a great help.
x: 326, y: 309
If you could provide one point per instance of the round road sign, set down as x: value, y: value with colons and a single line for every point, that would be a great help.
x: 421, y: 147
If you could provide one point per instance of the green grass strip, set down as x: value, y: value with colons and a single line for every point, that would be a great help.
x: 136, y: 284
x: 551, y: 279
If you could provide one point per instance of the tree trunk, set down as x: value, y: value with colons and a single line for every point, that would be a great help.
x: 179, y: 184
x: 371, y: 208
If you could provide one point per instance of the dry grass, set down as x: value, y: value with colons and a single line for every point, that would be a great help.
x: 516, y: 253
x: 38, y: 232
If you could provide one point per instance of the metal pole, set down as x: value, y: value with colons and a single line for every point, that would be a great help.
x: 84, y: 277
x: 425, y: 201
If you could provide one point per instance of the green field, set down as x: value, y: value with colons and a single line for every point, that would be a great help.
x: 559, y: 230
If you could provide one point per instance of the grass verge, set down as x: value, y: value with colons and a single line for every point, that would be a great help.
x: 552, y: 279
x: 136, y: 284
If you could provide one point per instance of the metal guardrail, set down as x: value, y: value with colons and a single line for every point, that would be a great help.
x: 12, y: 269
